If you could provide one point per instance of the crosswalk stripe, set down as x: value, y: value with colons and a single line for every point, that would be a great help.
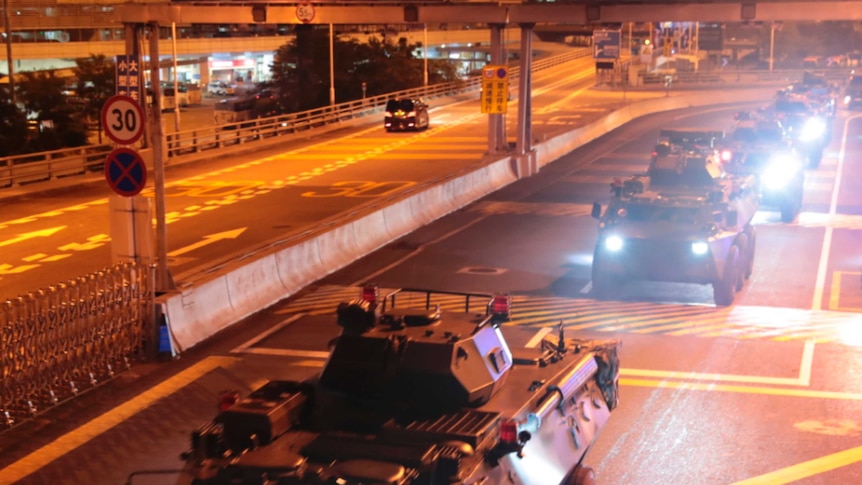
x: 739, y: 322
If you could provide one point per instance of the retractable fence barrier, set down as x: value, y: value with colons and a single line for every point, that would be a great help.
x: 68, y: 338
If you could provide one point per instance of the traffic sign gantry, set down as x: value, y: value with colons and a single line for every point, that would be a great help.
x: 123, y: 119
x: 125, y: 172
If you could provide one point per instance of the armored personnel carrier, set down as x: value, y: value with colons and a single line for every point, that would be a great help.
x: 808, y: 128
x: 686, y: 221
x: 758, y: 147
x: 420, y: 396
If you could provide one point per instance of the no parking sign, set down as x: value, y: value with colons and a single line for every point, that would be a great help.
x: 125, y: 172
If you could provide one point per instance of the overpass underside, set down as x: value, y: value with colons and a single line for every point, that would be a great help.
x: 493, y: 12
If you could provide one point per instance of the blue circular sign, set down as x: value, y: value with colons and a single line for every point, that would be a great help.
x: 501, y: 73
x: 125, y: 172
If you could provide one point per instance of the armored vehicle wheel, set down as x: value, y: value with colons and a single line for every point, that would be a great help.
x: 790, y: 209
x: 742, y: 244
x: 724, y: 289
x: 750, y: 250
x: 604, y: 285
x: 814, y: 158
x: 580, y: 475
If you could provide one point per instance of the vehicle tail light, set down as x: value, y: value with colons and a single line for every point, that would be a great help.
x: 500, y: 305
x: 509, y: 432
x: 227, y: 400
x: 370, y: 293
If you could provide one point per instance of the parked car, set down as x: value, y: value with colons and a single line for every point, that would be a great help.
x: 220, y: 88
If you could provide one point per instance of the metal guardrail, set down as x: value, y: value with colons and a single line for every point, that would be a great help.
x: 42, y: 166
x: 744, y: 76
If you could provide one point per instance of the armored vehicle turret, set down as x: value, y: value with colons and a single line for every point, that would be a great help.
x: 686, y: 221
x: 418, y: 395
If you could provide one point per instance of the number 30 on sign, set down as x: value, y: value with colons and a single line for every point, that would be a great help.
x: 123, y: 119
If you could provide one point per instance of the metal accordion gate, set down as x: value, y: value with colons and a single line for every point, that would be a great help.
x: 59, y: 341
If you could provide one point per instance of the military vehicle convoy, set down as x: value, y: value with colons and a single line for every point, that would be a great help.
x: 757, y: 146
x: 420, y: 396
x: 686, y: 221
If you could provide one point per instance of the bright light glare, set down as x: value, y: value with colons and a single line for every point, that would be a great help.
x: 813, y: 129
x: 781, y: 170
x: 726, y: 155
x: 699, y: 248
x: 613, y: 243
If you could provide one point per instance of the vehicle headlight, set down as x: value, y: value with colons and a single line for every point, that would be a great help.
x: 847, y: 99
x: 699, y: 248
x: 780, y: 172
x: 614, y: 243
x: 813, y: 129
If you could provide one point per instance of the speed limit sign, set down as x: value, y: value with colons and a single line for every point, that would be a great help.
x: 123, y: 119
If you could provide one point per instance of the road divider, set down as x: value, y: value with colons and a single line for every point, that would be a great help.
x: 242, y: 284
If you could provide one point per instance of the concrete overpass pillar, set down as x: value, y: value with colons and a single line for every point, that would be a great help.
x: 525, y: 156
x: 496, y: 123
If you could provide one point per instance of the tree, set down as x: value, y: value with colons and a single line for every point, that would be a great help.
x: 59, y: 122
x: 13, y: 125
x: 300, y: 71
x: 95, y: 84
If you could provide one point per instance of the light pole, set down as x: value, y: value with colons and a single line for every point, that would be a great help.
x: 425, y: 48
x: 331, y: 67
x: 771, y: 44
x: 9, y: 62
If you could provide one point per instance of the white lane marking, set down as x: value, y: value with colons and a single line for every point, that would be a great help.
x: 817, y: 301
x: 243, y: 347
x: 538, y: 337
x: 309, y: 354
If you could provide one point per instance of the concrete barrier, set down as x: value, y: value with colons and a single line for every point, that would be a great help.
x: 244, y: 284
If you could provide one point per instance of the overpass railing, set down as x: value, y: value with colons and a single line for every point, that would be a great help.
x: 42, y: 166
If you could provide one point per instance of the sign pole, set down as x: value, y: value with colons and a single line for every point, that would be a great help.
x: 163, y: 278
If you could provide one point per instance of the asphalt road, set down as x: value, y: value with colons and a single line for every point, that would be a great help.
x: 227, y: 206
x: 765, y: 391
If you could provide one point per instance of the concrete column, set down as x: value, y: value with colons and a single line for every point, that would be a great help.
x: 526, y: 158
x: 495, y: 120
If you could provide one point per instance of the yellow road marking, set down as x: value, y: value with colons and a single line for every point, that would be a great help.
x: 807, y: 468
x: 772, y: 391
x: 78, y: 437
x: 835, y: 292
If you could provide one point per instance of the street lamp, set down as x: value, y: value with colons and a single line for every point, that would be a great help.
x: 9, y: 62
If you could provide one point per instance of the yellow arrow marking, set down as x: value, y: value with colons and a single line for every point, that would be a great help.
x: 93, y: 242
x: 9, y: 269
x: 31, y: 235
x: 209, y: 240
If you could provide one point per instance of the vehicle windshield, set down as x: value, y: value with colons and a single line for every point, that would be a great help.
x: 657, y: 213
x: 791, y: 107
x: 760, y: 134
x: 394, y: 105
